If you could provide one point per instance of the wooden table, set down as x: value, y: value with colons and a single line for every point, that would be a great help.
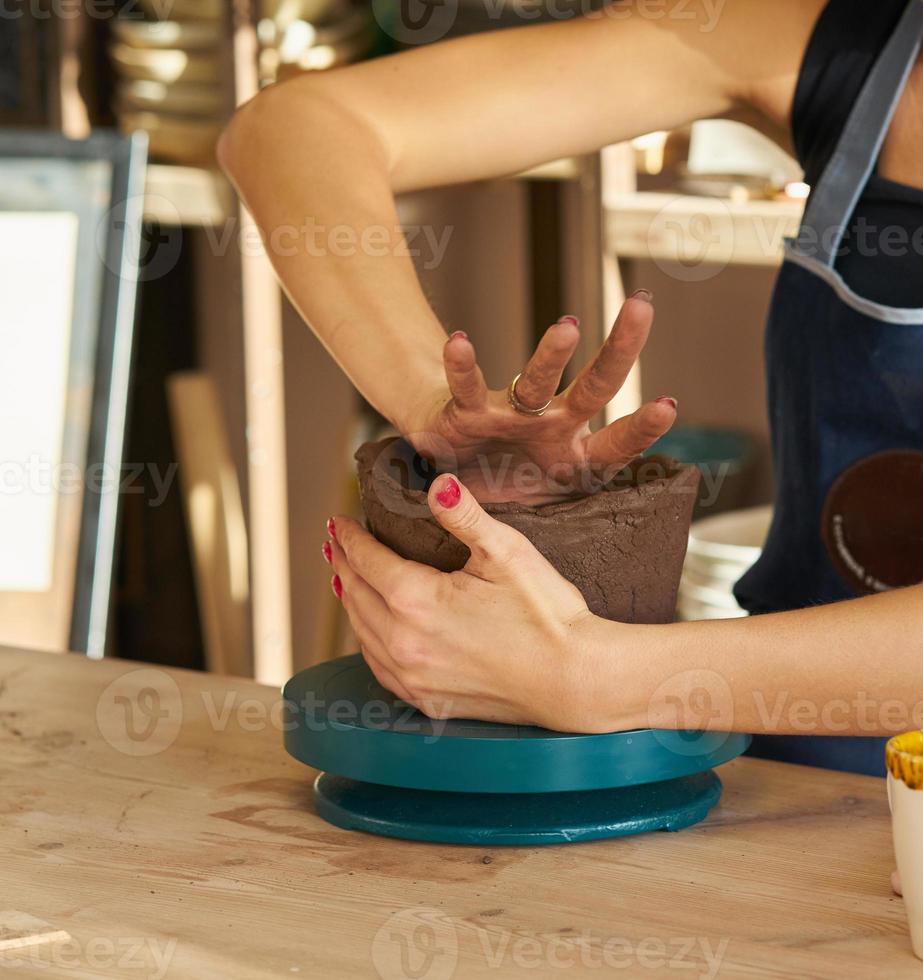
x: 150, y: 820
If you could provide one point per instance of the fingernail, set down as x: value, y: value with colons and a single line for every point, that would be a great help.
x: 450, y: 494
x: 458, y: 333
x: 337, y: 586
x: 327, y: 552
x: 644, y: 294
x: 332, y: 528
x: 667, y: 399
x: 569, y: 318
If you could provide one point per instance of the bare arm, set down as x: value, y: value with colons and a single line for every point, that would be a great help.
x: 847, y: 668
x: 509, y: 639
x: 332, y: 150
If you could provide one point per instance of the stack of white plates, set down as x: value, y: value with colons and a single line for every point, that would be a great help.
x: 721, y: 549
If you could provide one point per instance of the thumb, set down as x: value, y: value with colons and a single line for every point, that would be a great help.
x: 454, y: 506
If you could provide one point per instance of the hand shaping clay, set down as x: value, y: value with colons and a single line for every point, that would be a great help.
x: 623, y: 547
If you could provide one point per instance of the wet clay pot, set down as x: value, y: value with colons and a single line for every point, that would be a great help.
x: 623, y: 547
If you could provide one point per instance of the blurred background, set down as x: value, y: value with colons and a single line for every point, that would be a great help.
x: 142, y: 331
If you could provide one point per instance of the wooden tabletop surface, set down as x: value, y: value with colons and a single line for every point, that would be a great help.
x: 152, y: 826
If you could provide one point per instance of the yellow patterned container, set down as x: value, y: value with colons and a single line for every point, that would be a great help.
x: 904, y: 759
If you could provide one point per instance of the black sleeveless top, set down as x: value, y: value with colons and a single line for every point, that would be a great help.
x: 881, y: 257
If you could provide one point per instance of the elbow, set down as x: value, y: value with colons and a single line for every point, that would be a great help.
x: 276, y: 123
x: 224, y: 153
x: 240, y: 139
x: 256, y: 128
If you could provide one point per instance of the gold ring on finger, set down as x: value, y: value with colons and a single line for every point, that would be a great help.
x: 518, y: 405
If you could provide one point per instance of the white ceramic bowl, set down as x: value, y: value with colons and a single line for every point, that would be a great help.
x: 721, y: 549
x: 689, y: 609
x: 735, y: 535
x: 710, y: 589
x: 726, y: 545
x: 718, y: 596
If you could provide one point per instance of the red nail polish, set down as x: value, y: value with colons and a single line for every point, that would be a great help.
x: 327, y: 552
x: 644, y: 294
x: 337, y: 586
x: 568, y: 318
x: 458, y: 333
x: 332, y: 528
x: 668, y: 399
x: 450, y: 494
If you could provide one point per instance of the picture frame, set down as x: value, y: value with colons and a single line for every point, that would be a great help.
x: 70, y: 231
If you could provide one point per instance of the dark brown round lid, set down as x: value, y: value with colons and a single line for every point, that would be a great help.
x: 872, y: 521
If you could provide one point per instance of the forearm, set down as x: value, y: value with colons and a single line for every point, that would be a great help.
x: 849, y: 668
x: 331, y: 149
x: 321, y: 196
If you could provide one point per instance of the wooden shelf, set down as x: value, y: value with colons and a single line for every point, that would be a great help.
x: 694, y: 230
x: 193, y: 196
x: 197, y: 196
x: 567, y: 168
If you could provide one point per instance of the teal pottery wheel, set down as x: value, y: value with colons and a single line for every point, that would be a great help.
x: 388, y: 769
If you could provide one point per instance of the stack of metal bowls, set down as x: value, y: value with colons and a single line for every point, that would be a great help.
x: 171, y: 79
x: 721, y: 549
x: 311, y: 35
x: 174, y: 76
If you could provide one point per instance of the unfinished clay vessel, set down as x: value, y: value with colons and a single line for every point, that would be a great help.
x: 623, y: 547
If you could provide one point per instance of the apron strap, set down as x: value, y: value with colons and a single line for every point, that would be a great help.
x: 833, y: 199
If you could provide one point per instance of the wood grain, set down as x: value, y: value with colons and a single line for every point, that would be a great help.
x: 206, y: 858
x: 214, y: 520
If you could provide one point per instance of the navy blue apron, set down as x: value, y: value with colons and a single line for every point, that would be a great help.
x: 845, y: 381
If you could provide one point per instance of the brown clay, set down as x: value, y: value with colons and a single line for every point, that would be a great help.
x: 623, y: 547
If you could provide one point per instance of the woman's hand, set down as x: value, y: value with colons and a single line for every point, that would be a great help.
x: 505, y: 639
x: 502, y: 454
